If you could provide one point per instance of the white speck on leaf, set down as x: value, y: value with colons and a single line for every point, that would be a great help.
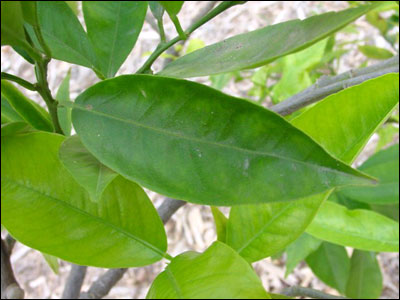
x: 199, y: 153
x: 246, y: 165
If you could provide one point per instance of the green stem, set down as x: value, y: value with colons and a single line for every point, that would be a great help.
x: 178, y: 27
x: 19, y: 80
x: 161, y: 31
x: 145, y: 68
x: 42, y: 86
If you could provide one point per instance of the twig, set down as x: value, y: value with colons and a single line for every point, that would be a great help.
x: 102, y: 286
x: 332, y: 85
x: 42, y: 86
x: 20, y: 81
x: 9, y: 285
x: 298, y: 291
x: 161, y: 47
x: 74, y: 282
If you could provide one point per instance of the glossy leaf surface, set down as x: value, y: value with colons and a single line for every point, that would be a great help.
x: 331, y: 264
x: 122, y: 230
x: 31, y: 112
x: 256, y: 48
x: 8, y: 113
x: 346, y: 120
x: 68, y: 42
x: 365, y: 280
x: 113, y: 28
x: 358, y: 228
x: 191, y: 142
x: 384, y: 165
x: 218, y: 273
x: 300, y: 250
x: 85, y: 168
x: 220, y: 223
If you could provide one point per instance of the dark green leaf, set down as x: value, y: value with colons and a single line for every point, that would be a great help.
x: 29, y: 12
x: 331, y: 264
x: 85, y: 168
x: 299, y: 250
x: 156, y: 9
x: 191, y: 142
x: 391, y: 211
x: 73, y: 5
x: 220, y: 223
x: 172, y: 7
x: 10, y: 129
x: 8, y: 113
x: 256, y: 48
x: 365, y: 280
x: 63, y: 111
x: 12, y: 30
x: 30, y: 111
x: 218, y: 273
x: 24, y: 54
x: 383, y: 165
x: 64, y: 34
x: 358, y: 228
x: 44, y: 208
x: 113, y: 28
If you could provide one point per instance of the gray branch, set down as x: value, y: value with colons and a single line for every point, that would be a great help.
x: 9, y: 285
x: 102, y: 286
x: 74, y: 282
x: 330, y: 85
x: 298, y: 291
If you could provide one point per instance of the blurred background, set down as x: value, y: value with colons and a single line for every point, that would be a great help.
x: 371, y: 38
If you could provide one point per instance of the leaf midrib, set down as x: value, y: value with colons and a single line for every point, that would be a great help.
x: 80, y: 211
x: 110, y: 59
x: 192, y: 139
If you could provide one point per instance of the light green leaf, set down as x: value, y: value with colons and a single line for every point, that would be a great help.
x: 383, y: 165
x: 386, y: 135
x: 358, y: 228
x: 122, y: 230
x: 331, y: 264
x: 10, y: 129
x: 113, y: 28
x: 218, y: 273
x: 375, y: 52
x: 346, y: 120
x: 256, y: 48
x: 30, y: 111
x: 299, y: 250
x: 390, y: 211
x: 259, y: 231
x: 195, y: 44
x: 69, y: 41
x: 191, y: 142
x: 220, y: 223
x: 73, y: 5
x: 276, y: 225
x: 64, y: 112
x: 295, y: 76
x: 52, y: 261
x: 85, y: 168
x: 365, y: 280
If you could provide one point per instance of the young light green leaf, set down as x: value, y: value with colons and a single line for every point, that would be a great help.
x: 63, y: 111
x: 122, y: 230
x: 346, y: 120
x: 218, y: 273
x: 383, y: 165
x: 259, y: 47
x: 220, y: 223
x: 331, y: 264
x: 52, y: 261
x: 259, y: 231
x: 300, y: 250
x: 113, y: 28
x: 375, y: 52
x: 365, y: 280
x: 30, y: 111
x: 69, y: 41
x: 85, y: 168
x: 358, y: 228
x: 149, y: 127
